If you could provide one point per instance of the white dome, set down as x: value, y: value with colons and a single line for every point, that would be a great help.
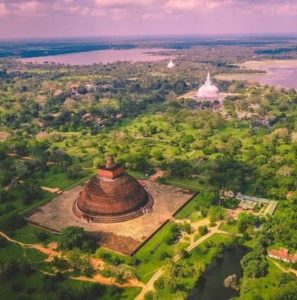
x: 170, y: 65
x: 208, y: 91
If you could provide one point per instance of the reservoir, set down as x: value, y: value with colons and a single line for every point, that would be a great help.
x: 210, y: 285
x: 278, y: 73
x: 101, y: 56
x: 281, y: 77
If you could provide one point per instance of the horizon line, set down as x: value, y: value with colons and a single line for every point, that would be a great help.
x: 69, y: 37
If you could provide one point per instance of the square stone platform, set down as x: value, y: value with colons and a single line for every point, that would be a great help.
x: 125, y: 237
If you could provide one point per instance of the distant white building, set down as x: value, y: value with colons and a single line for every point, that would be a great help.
x: 209, y: 92
x: 171, y: 64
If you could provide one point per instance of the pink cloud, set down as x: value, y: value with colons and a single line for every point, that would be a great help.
x: 3, y: 10
x: 24, y: 8
x: 145, y: 16
x: 181, y: 4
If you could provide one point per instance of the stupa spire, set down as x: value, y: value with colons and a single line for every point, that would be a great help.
x: 208, y: 80
x: 109, y: 162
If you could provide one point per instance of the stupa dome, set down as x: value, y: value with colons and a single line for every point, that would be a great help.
x: 170, y: 65
x: 112, y: 196
x: 208, y: 91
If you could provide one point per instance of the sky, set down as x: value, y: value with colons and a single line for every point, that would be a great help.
x: 74, y: 18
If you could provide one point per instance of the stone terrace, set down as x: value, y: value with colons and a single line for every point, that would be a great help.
x: 125, y: 237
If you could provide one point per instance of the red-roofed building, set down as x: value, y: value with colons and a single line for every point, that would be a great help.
x: 282, y: 254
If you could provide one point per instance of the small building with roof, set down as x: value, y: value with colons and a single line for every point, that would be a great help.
x: 282, y: 254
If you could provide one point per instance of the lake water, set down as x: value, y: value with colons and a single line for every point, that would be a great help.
x: 280, y: 73
x: 210, y: 286
x: 101, y: 56
x: 281, y: 77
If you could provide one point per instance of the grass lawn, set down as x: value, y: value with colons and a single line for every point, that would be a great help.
x: 195, y: 216
x: 188, y: 209
x: 23, y: 209
x: 14, y: 252
x: 137, y: 174
x: 232, y: 228
x: 191, y: 184
x: 18, y: 205
x: 149, y: 254
x: 28, y: 234
x: 204, y: 252
x: 109, y: 256
x: 54, y: 179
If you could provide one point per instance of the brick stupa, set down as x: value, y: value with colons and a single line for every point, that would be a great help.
x: 112, y: 196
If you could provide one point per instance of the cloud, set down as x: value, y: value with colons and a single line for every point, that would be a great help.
x: 3, y: 10
x: 143, y: 9
x: 27, y: 7
x: 181, y: 5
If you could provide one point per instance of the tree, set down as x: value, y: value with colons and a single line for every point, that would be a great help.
x: 30, y: 192
x: 173, y: 235
x: 75, y: 237
x: 11, y: 221
x: 4, y: 196
x: 79, y: 262
x: 8, y: 269
x: 184, y: 253
x: 216, y: 213
x: 180, y: 168
x: 150, y: 296
x: 245, y: 220
x: 287, y: 292
x: 160, y: 284
x: 74, y: 171
x: 254, y: 265
x: 202, y: 230
x: 285, y: 278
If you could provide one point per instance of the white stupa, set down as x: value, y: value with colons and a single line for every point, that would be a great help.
x: 171, y: 64
x: 208, y: 91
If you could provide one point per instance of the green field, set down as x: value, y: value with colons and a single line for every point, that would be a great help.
x: 149, y: 253
x: 186, y: 211
x: 232, y: 228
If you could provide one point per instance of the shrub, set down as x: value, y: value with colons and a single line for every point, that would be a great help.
x: 11, y: 221
x: 75, y: 237
x: 173, y: 235
x: 42, y: 236
x: 254, y: 265
x: 150, y: 296
x: 159, y: 284
x: 202, y: 230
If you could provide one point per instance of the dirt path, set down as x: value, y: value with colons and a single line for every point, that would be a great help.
x: 283, y: 269
x: 51, y: 190
x: 96, y: 263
